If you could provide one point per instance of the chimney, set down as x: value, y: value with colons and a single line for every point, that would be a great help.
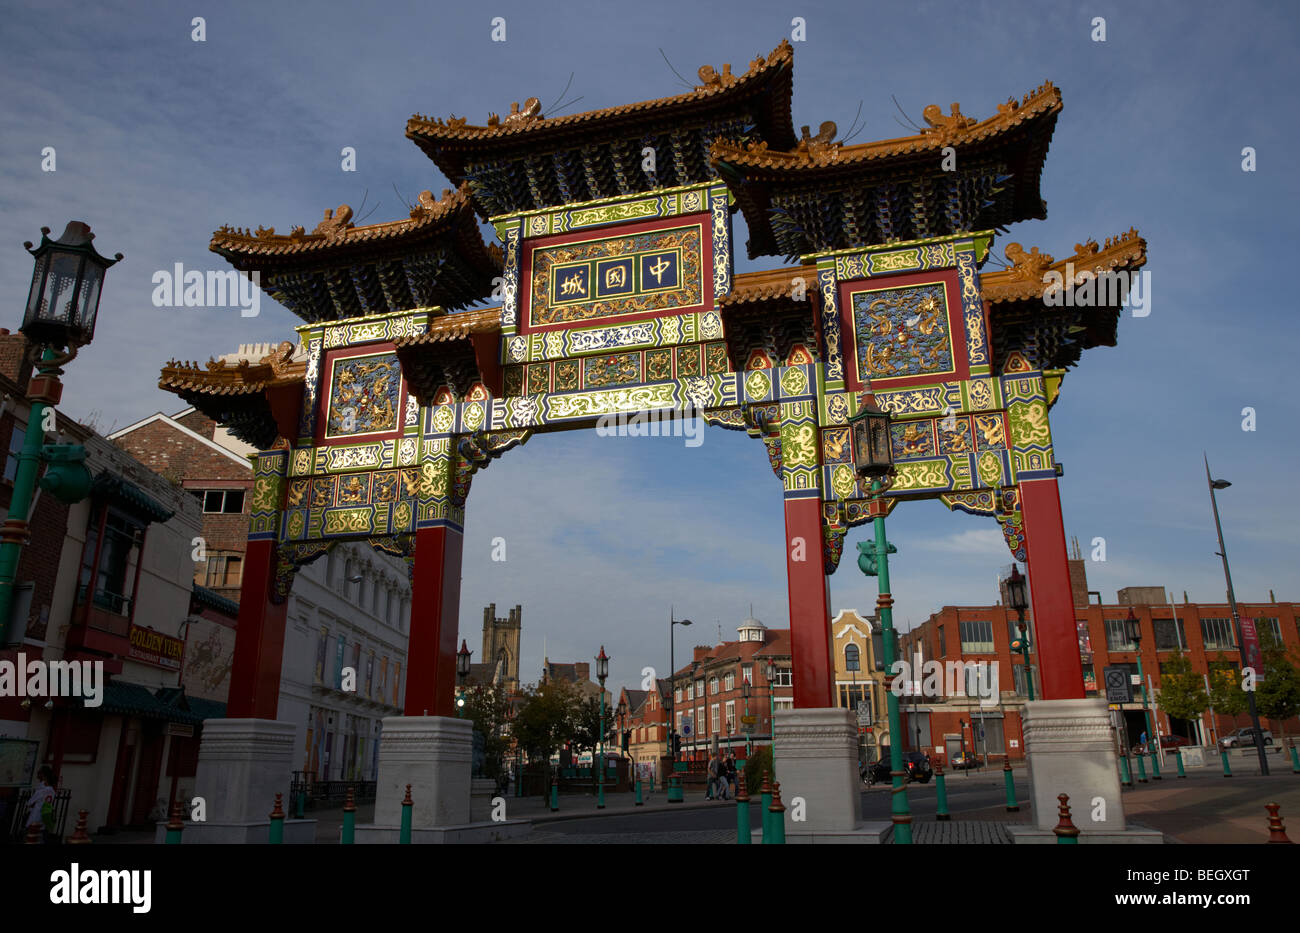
x: 701, y: 652
x: 15, y: 363
x: 582, y: 670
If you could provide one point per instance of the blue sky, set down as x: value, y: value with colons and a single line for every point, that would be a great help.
x: 160, y: 140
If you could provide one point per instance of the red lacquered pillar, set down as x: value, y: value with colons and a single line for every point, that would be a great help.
x: 1055, y: 633
x: 259, y: 638
x: 435, y: 606
x: 810, y: 619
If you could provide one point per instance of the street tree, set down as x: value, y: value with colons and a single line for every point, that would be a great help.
x: 488, y: 707
x: 1182, y: 689
x: 1277, y: 693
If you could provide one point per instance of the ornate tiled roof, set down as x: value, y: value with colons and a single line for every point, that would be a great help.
x: 219, y: 377
x: 457, y: 326
x: 1025, y: 278
x: 436, y: 257
x: 769, y: 285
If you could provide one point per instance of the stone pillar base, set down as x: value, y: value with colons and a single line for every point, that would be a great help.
x: 470, y: 833
x: 817, y: 765
x: 1071, y: 751
x: 296, y: 832
x: 432, y: 754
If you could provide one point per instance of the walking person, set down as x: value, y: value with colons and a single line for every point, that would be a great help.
x: 714, y: 770
x: 40, y: 805
x: 731, y: 775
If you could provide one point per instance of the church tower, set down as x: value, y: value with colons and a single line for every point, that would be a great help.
x: 501, y: 645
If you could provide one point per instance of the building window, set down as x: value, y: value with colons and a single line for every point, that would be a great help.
x: 699, y: 688
x: 1022, y: 682
x: 397, y: 682
x: 1117, y: 636
x: 118, y: 541
x: 1013, y: 629
x: 747, y: 671
x: 713, y: 686
x: 784, y: 703
x: 715, y: 719
x: 700, y: 724
x: 223, y: 570
x: 943, y: 644
x: 850, y: 695
x: 340, y: 648
x: 731, y: 716
x: 1269, y: 627
x: 729, y: 681
x: 852, y: 662
x: 784, y: 678
x: 976, y: 637
x: 1169, y: 637
x: 320, y: 654
x: 1217, y: 634
x: 16, y: 440
x: 221, y: 501
x: 370, y: 670
x: 690, y: 691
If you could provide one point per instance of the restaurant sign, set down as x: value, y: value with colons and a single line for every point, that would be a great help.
x: 150, y: 647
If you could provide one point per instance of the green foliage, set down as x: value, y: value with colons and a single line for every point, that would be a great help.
x: 1226, y: 695
x: 1277, y: 696
x: 489, y: 708
x: 545, y: 721
x: 1182, y: 689
x: 586, y: 722
x: 759, y: 762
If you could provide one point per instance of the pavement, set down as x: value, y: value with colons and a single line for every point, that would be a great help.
x: 1204, y: 807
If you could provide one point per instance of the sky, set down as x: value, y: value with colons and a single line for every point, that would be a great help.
x: 159, y: 139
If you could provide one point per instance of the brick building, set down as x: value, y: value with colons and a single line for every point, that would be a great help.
x: 708, y: 693
x: 860, y: 678
x: 646, y: 725
x: 1203, y: 632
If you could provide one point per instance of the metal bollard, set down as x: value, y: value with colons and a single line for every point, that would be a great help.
x: 1125, y: 776
x: 1142, y: 769
x: 765, y: 806
x: 404, y: 837
x: 652, y: 782
x: 277, y: 822
x: 941, y: 795
x: 79, y: 835
x: 743, y: 832
x: 555, y: 792
x: 1178, y: 757
x: 1067, y: 834
x: 1295, y: 758
x: 778, y: 815
x: 1227, y: 769
x: 1012, y: 806
x: 1155, y: 766
x: 349, y: 820
x: 1276, y: 831
x: 300, y: 805
x: 174, y: 826
x: 639, y: 801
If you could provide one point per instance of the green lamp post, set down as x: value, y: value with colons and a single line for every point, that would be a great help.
x: 873, y: 458
x: 1133, y: 630
x: 462, y: 671
x: 602, y: 671
x: 1019, y: 602
x: 769, y: 671
x: 59, y: 319
x: 749, y: 726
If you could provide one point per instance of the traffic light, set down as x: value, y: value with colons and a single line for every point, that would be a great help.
x: 66, y: 477
x: 627, y: 738
x: 677, y: 744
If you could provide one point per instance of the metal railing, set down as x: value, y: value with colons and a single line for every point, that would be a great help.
x: 18, y: 820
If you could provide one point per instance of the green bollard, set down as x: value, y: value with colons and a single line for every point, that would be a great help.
x: 1295, y: 759
x: 1067, y: 834
x: 941, y: 795
x: 404, y: 836
x: 349, y: 820
x: 1178, y: 757
x: 765, y: 807
x: 638, y: 792
x: 555, y: 793
x: 175, y: 826
x: 778, y: 815
x: 1012, y: 806
x: 675, y: 792
x: 277, y: 822
x: 1227, y: 769
x: 743, y: 832
x: 1125, y: 777
x: 1142, y: 769
x: 300, y: 804
x: 652, y: 782
x: 1155, y: 766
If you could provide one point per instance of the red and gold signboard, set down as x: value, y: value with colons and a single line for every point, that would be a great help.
x: 150, y: 647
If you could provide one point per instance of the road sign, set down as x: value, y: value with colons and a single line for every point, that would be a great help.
x: 1118, y: 687
x: 864, y: 713
x: 687, y: 728
x: 749, y: 720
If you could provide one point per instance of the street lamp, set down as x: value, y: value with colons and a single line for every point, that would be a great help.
x: 462, y: 671
x: 745, y: 689
x: 873, y: 459
x: 1215, y: 484
x: 674, y: 783
x: 1020, y: 602
x: 59, y: 319
x: 1133, y: 633
x: 602, y: 671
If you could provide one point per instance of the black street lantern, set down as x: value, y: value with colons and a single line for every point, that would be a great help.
x: 1016, y: 590
x: 1132, y: 629
x: 873, y: 454
x: 770, y: 672
x: 602, y: 666
x: 462, y: 660
x: 622, y: 709
x: 64, y: 296
x: 744, y: 689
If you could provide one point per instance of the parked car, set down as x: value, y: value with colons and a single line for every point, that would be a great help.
x: 1173, y: 741
x: 916, y: 764
x: 1244, y: 738
x: 964, y: 761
